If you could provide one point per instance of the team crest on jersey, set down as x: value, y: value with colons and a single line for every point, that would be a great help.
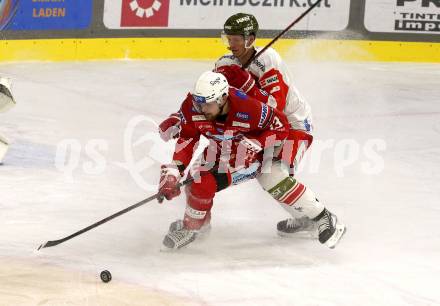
x: 242, y: 115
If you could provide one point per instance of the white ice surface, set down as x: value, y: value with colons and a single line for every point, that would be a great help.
x: 390, y: 255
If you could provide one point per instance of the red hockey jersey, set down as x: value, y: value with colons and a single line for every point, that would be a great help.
x: 247, y: 120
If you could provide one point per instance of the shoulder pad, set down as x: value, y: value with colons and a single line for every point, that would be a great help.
x: 227, y: 60
x: 270, y: 59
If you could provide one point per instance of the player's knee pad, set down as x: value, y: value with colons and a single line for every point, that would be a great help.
x: 272, y: 174
x: 286, y: 191
x: 203, y: 187
x: 282, y: 187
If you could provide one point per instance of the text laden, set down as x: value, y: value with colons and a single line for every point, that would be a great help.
x: 48, y: 12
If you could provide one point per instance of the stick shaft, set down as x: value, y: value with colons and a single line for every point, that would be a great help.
x: 105, y: 220
x: 306, y: 12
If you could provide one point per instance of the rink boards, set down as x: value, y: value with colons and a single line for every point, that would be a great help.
x: 345, y: 30
x: 211, y: 48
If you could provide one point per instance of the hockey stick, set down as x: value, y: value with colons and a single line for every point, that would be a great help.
x: 246, y: 65
x: 52, y: 243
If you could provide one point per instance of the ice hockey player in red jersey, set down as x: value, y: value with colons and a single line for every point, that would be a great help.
x: 267, y: 79
x: 239, y: 129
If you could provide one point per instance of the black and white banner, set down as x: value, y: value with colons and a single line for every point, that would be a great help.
x: 407, y: 16
x: 330, y: 15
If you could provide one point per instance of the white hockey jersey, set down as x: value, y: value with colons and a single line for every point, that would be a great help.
x: 274, y: 77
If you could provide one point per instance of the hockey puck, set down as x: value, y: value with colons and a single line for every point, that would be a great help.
x: 106, y: 276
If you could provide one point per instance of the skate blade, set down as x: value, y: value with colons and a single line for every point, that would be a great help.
x: 168, y: 248
x: 299, y: 234
x: 336, y: 237
x: 164, y: 249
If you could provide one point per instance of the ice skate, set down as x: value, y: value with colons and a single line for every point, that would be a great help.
x: 179, y: 238
x: 292, y: 227
x: 330, y: 230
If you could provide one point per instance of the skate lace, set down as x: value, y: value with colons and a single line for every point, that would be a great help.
x: 181, y: 236
x: 325, y: 222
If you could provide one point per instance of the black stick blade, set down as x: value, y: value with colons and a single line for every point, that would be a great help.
x: 48, y: 244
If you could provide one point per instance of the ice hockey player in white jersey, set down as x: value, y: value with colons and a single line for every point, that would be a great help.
x: 6, y: 102
x: 268, y: 72
x: 268, y: 80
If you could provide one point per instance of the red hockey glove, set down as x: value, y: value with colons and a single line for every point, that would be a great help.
x: 237, y: 77
x: 170, y: 127
x: 169, y: 182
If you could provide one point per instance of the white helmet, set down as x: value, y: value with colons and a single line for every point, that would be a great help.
x: 210, y: 87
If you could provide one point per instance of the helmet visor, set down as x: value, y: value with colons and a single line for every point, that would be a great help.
x: 199, y: 101
x: 229, y: 40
